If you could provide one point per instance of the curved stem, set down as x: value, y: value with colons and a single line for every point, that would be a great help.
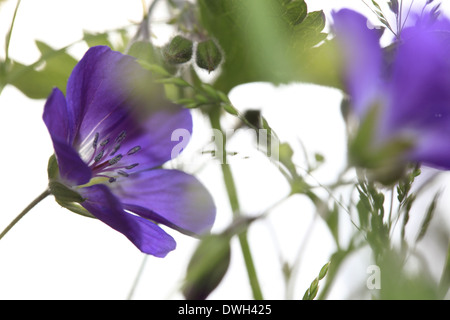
x: 214, y: 116
x: 41, y: 197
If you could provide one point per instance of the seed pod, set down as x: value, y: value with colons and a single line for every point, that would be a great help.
x: 178, y: 51
x: 208, y: 55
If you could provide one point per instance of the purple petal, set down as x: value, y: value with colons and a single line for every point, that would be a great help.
x: 154, y: 138
x: 57, y: 118
x: 95, y: 91
x: 433, y: 149
x: 72, y: 168
x: 144, y: 234
x: 420, y: 80
x: 170, y: 197
x: 362, y: 58
x: 112, y: 95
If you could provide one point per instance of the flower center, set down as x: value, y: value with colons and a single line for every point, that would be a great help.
x: 105, y: 159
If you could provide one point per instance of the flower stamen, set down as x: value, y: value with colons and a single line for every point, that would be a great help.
x: 99, y: 156
x: 104, y: 142
x: 94, y: 143
x: 121, y: 137
x: 116, y: 159
x: 132, y: 166
x: 133, y: 150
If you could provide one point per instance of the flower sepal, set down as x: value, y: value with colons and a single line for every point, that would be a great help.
x: 64, y: 196
x: 63, y: 193
x: 76, y: 208
x: 384, y: 161
x: 52, y: 168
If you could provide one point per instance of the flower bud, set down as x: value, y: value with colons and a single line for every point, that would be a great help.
x: 178, y: 51
x: 207, y: 267
x: 208, y: 55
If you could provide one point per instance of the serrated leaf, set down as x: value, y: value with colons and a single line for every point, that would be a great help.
x: 314, y: 22
x: 296, y: 11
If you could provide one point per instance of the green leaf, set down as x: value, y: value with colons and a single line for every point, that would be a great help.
x: 296, y: 11
x: 332, y: 220
x: 96, y: 39
x: 314, y: 23
x: 38, y: 79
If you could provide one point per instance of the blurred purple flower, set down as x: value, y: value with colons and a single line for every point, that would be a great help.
x: 111, y: 134
x: 407, y: 86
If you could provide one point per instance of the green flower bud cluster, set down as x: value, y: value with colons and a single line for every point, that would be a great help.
x: 180, y: 50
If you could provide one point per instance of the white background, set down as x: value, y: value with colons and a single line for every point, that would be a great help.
x: 55, y: 254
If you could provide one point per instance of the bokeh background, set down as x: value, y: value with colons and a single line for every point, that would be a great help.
x: 55, y: 254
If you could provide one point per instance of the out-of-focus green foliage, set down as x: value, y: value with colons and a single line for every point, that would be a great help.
x: 267, y: 40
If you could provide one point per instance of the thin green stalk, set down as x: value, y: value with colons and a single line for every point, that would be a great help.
x: 5, y: 65
x: 444, y: 284
x: 214, y: 116
x: 138, y: 277
x: 8, y: 36
x: 41, y: 197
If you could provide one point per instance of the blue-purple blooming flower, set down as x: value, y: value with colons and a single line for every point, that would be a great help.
x: 400, y: 95
x: 111, y: 134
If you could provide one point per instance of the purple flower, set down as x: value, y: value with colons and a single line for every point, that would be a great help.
x: 111, y: 134
x: 400, y: 95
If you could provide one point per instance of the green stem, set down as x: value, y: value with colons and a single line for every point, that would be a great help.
x: 5, y: 65
x: 138, y: 278
x: 25, y: 211
x: 444, y: 284
x: 214, y: 116
x: 8, y: 36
